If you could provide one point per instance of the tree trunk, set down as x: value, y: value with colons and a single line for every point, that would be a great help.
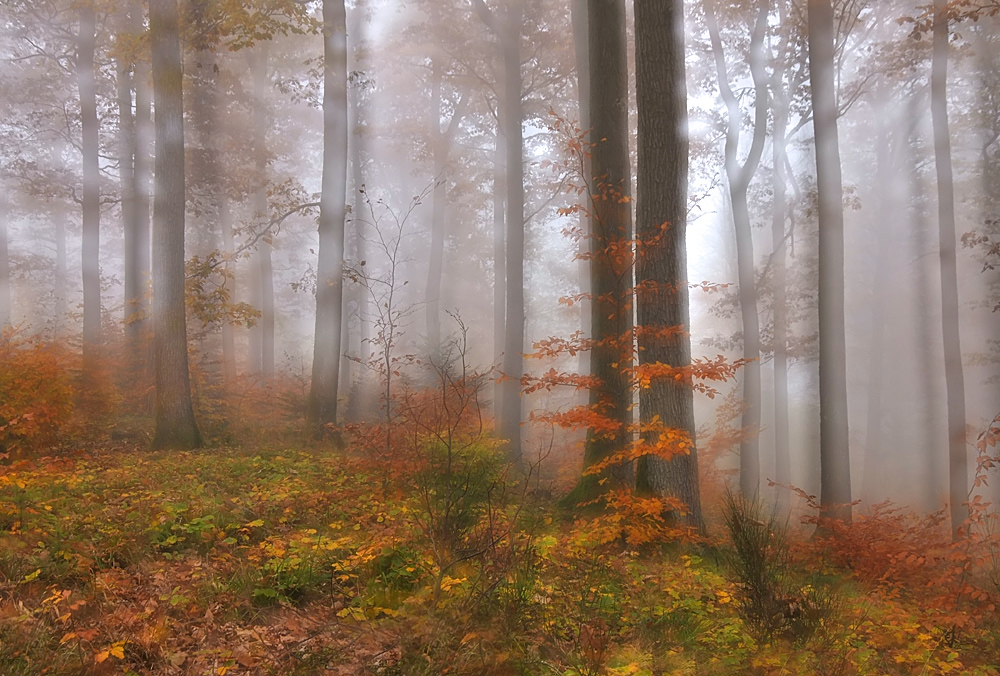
x: 661, y: 93
x: 439, y: 200
x: 835, y: 465
x: 5, y: 296
x: 175, y: 423
x: 258, y: 66
x: 358, y: 149
x: 739, y: 178
x: 581, y: 50
x: 499, y: 259
x: 958, y: 472
x: 228, y: 330
x: 779, y: 309
x: 513, y: 116
x: 883, y: 268
x: 611, y: 226
x: 141, y: 174
x: 330, y: 268
x: 90, y: 252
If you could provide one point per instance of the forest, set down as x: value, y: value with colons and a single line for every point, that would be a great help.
x: 499, y: 337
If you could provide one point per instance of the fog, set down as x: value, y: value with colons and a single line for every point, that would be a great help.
x: 422, y: 128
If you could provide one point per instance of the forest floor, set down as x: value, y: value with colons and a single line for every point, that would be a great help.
x: 224, y: 561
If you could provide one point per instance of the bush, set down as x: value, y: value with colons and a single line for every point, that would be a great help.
x: 36, y: 395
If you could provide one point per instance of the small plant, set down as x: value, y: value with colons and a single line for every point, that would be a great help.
x: 759, y: 559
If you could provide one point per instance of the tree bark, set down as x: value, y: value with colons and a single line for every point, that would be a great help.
x: 835, y: 465
x: 499, y: 259
x: 258, y: 66
x: 359, y: 152
x: 90, y: 252
x: 779, y: 309
x: 611, y: 225
x: 958, y: 471
x: 582, y: 53
x: 739, y: 177
x: 175, y: 423
x: 322, y: 403
x: 513, y: 359
x: 5, y: 295
x: 661, y: 190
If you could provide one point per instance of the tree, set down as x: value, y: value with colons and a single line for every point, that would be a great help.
x: 506, y: 26
x: 133, y: 175
x: 90, y: 254
x: 739, y: 176
x: 5, y: 298
x: 958, y: 479
x: 330, y: 268
x: 661, y: 269
x: 610, y: 186
x: 835, y: 465
x: 175, y: 423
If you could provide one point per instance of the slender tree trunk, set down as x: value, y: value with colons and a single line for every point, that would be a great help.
x: 883, y: 268
x: 779, y: 309
x: 439, y: 200
x: 5, y: 295
x: 835, y: 465
x: 60, y: 275
x: 141, y: 174
x: 175, y: 423
x: 258, y: 66
x: 358, y: 149
x: 90, y: 253
x: 499, y: 259
x: 582, y: 53
x: 661, y: 93
x: 126, y: 175
x: 228, y: 330
x: 513, y: 359
x: 611, y: 225
x: 958, y: 471
x: 330, y: 268
x: 739, y: 178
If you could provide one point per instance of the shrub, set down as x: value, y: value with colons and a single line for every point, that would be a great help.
x: 36, y: 396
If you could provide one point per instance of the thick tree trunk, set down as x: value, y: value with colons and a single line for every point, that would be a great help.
x: 739, y: 177
x: 90, y: 253
x: 330, y: 269
x: 661, y: 93
x: 611, y: 225
x: 175, y: 423
x: 958, y: 471
x: 835, y: 465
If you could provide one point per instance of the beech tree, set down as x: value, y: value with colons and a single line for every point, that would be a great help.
x: 610, y: 184
x: 330, y: 269
x: 835, y: 466
x: 175, y: 424
x: 90, y: 253
x: 958, y: 472
x: 661, y: 267
x: 739, y: 175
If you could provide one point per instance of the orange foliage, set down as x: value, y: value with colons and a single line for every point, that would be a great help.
x: 36, y: 397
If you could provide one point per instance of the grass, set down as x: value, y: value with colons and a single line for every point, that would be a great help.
x: 308, y: 562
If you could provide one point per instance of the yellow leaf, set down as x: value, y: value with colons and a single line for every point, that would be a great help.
x: 31, y: 576
x: 101, y: 656
x: 118, y: 651
x: 67, y: 637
